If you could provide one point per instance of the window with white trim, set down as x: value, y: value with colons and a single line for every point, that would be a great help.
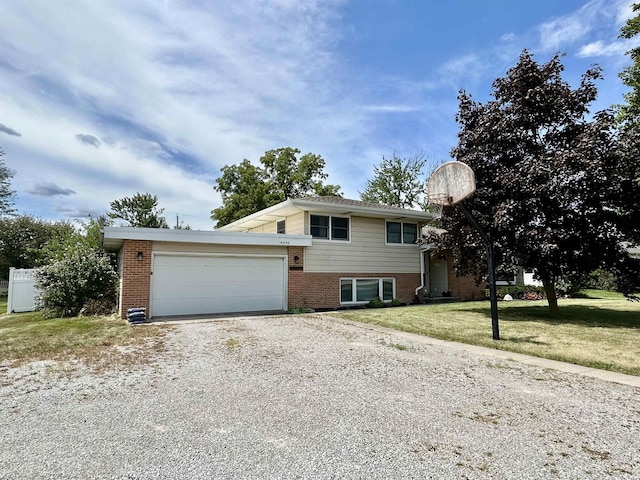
x: 402, y: 233
x: 363, y: 290
x: 506, y: 279
x: 280, y: 226
x: 329, y: 228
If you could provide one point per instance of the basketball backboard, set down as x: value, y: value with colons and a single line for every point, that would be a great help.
x: 451, y: 183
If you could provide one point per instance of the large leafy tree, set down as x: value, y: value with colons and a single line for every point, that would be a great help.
x: 141, y: 210
x: 6, y: 194
x: 25, y: 241
x: 283, y: 174
x: 551, y: 192
x: 630, y: 112
x: 397, y: 182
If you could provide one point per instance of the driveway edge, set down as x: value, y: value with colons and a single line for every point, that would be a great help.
x: 599, y: 374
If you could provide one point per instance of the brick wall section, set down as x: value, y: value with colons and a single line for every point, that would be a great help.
x: 296, y: 252
x: 464, y: 287
x: 322, y: 290
x: 136, y: 275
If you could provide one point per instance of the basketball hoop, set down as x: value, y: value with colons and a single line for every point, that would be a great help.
x: 448, y: 185
x: 451, y: 183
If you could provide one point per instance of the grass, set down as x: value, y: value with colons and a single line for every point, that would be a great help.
x: 100, y: 342
x: 600, y: 331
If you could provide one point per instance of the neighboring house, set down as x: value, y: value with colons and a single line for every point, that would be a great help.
x: 321, y: 253
x: 522, y: 277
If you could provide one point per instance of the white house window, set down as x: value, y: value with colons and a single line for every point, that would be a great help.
x: 506, y: 279
x: 363, y: 290
x: 402, y: 233
x: 330, y: 228
x: 280, y: 226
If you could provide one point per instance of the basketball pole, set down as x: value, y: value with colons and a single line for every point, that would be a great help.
x: 493, y: 296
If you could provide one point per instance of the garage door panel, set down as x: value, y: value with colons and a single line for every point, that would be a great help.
x: 193, y: 284
x: 192, y: 306
x: 218, y: 288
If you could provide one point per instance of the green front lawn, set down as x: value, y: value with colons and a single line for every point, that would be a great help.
x: 602, y: 331
x: 99, y: 341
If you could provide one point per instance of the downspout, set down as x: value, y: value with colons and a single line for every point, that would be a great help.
x: 421, y: 273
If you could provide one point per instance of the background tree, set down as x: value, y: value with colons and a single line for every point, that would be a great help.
x: 630, y: 112
x: 397, y: 182
x: 141, y: 210
x: 6, y: 194
x: 246, y: 188
x: 549, y: 188
x: 93, y: 230
x: 24, y: 240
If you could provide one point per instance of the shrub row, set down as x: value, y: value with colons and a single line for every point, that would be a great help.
x: 522, y: 292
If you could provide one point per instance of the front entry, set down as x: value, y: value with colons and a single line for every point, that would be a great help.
x: 438, y: 276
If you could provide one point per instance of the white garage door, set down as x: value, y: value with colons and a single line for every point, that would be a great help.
x: 196, y: 284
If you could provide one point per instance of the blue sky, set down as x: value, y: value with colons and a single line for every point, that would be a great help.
x: 102, y: 99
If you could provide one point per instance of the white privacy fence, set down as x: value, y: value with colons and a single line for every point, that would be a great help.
x: 22, y: 291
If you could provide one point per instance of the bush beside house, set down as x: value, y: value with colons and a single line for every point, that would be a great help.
x: 81, y: 276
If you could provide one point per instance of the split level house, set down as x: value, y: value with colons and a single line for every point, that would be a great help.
x: 316, y: 252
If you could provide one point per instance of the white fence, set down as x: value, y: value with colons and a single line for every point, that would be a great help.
x: 22, y: 290
x: 4, y: 287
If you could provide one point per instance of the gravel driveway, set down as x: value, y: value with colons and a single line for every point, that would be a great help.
x: 311, y: 397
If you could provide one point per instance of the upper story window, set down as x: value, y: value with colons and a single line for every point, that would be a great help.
x: 280, y: 227
x: 402, y: 233
x: 330, y: 228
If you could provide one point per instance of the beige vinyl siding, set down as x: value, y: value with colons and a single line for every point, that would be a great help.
x: 295, y: 224
x: 366, y: 253
x: 224, y: 249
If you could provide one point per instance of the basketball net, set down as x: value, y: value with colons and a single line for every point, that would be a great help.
x: 435, y: 203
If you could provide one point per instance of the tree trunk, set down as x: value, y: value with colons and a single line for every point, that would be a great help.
x: 552, y: 299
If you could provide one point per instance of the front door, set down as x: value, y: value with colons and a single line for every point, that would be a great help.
x: 438, y: 277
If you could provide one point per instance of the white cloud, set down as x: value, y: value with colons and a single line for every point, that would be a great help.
x: 561, y: 32
x: 599, y: 49
x: 624, y: 12
x: 556, y: 34
x: 462, y: 70
x: 392, y: 108
x: 508, y: 37
x: 212, y: 84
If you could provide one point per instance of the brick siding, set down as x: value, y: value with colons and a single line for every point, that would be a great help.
x: 464, y: 287
x: 322, y: 290
x: 136, y: 276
